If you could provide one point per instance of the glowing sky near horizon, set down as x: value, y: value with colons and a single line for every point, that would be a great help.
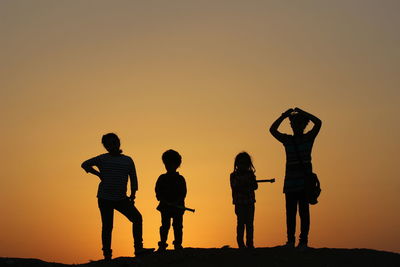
x: 206, y: 78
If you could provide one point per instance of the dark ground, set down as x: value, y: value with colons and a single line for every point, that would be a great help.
x: 196, y: 257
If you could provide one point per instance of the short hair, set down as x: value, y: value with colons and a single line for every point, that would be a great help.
x: 299, y: 118
x: 171, y: 157
x: 110, y: 139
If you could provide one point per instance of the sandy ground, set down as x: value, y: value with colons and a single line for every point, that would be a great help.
x: 196, y: 257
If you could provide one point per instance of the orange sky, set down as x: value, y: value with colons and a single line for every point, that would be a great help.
x: 206, y: 78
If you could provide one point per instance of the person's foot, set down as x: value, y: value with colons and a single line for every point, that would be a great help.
x: 250, y: 246
x: 143, y: 251
x: 241, y: 246
x: 107, y: 258
x: 162, y: 246
x: 107, y: 253
x: 302, y: 246
x: 289, y: 244
x: 178, y: 247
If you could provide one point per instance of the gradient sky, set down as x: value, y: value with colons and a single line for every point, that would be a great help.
x: 206, y: 78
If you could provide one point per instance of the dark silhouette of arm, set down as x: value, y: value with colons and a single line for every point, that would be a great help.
x: 316, y: 121
x: 274, y: 127
x: 183, y: 188
x: 254, y: 184
x: 134, y: 181
x: 159, y: 189
x: 88, y: 166
x: 234, y: 182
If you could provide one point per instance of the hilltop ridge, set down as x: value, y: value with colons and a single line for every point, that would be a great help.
x: 276, y: 256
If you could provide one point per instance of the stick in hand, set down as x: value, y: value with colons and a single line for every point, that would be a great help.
x: 181, y: 207
x: 266, y: 181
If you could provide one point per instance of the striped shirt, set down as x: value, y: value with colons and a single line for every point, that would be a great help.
x: 295, y: 170
x: 114, y: 171
x: 243, y: 185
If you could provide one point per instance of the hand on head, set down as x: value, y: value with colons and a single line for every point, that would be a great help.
x: 288, y: 112
x: 296, y: 109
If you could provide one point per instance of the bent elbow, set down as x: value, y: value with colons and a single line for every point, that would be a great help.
x: 271, y: 129
x: 84, y: 166
x: 318, y: 123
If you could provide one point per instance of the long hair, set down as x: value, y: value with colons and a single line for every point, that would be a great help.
x: 244, y: 156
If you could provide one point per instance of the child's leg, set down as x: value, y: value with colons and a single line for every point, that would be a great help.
x: 165, y: 225
x: 178, y: 233
x: 249, y: 226
x: 291, y: 211
x: 107, y: 217
x: 304, y: 212
x: 240, y: 225
x: 128, y: 209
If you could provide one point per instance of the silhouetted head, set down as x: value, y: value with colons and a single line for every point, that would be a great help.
x: 243, y: 162
x: 172, y: 160
x: 111, y: 143
x: 298, y: 122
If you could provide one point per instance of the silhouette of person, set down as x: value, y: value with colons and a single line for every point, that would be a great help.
x: 114, y: 168
x: 243, y: 183
x: 171, y: 192
x: 297, y: 145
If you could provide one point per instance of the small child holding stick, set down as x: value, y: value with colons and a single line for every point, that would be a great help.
x: 171, y: 192
x: 243, y: 183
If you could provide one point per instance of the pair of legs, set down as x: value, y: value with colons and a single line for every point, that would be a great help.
x: 177, y: 225
x: 127, y: 208
x: 245, y: 221
x: 294, y: 199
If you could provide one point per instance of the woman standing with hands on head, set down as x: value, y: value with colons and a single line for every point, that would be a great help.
x: 298, y: 148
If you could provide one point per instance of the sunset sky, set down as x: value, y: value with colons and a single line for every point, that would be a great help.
x: 206, y: 78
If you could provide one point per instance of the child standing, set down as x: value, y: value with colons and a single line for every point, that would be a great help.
x: 171, y: 192
x: 243, y: 183
x: 113, y: 170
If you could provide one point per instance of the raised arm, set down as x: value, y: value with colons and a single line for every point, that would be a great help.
x: 316, y: 121
x: 274, y: 127
x: 89, y: 164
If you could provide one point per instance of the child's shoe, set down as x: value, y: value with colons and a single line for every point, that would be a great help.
x: 107, y: 258
x: 178, y: 247
x: 289, y: 244
x: 162, y: 246
x: 302, y: 246
x: 241, y: 245
x: 143, y: 251
x: 107, y: 253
